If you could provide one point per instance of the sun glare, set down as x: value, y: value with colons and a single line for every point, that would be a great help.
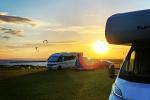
x: 100, y: 47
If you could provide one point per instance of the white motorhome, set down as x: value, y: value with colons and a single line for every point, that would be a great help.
x: 133, y: 80
x: 62, y: 60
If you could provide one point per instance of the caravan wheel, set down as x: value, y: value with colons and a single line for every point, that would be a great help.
x: 59, y: 68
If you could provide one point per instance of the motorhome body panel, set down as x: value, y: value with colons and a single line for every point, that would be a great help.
x: 132, y: 90
x: 128, y: 28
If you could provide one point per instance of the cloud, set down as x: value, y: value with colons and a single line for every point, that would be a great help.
x: 62, y: 42
x: 3, y: 13
x: 51, y: 43
x: 6, y: 37
x: 5, y: 18
x: 18, y: 33
x: 92, y: 29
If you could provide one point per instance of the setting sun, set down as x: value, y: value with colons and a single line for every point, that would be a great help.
x: 100, y: 47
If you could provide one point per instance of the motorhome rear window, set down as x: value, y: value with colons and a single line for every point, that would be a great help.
x: 137, y: 66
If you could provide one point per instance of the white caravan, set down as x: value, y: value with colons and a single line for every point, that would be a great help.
x: 133, y: 80
x: 61, y: 60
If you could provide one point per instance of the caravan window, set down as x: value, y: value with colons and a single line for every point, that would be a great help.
x: 137, y: 65
x: 130, y: 63
x: 69, y: 57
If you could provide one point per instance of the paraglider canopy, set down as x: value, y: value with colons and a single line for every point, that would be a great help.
x: 45, y: 41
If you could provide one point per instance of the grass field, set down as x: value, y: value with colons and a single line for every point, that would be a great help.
x: 42, y: 84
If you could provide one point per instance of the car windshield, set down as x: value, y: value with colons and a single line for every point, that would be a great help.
x: 137, y: 65
x: 53, y: 58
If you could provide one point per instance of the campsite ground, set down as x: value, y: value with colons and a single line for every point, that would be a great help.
x: 42, y: 84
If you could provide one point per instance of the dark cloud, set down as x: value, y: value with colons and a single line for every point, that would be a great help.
x: 18, y: 33
x: 16, y: 19
x: 6, y: 37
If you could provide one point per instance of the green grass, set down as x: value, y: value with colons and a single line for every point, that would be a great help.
x: 42, y: 84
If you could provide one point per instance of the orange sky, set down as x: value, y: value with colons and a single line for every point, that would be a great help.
x: 68, y: 25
